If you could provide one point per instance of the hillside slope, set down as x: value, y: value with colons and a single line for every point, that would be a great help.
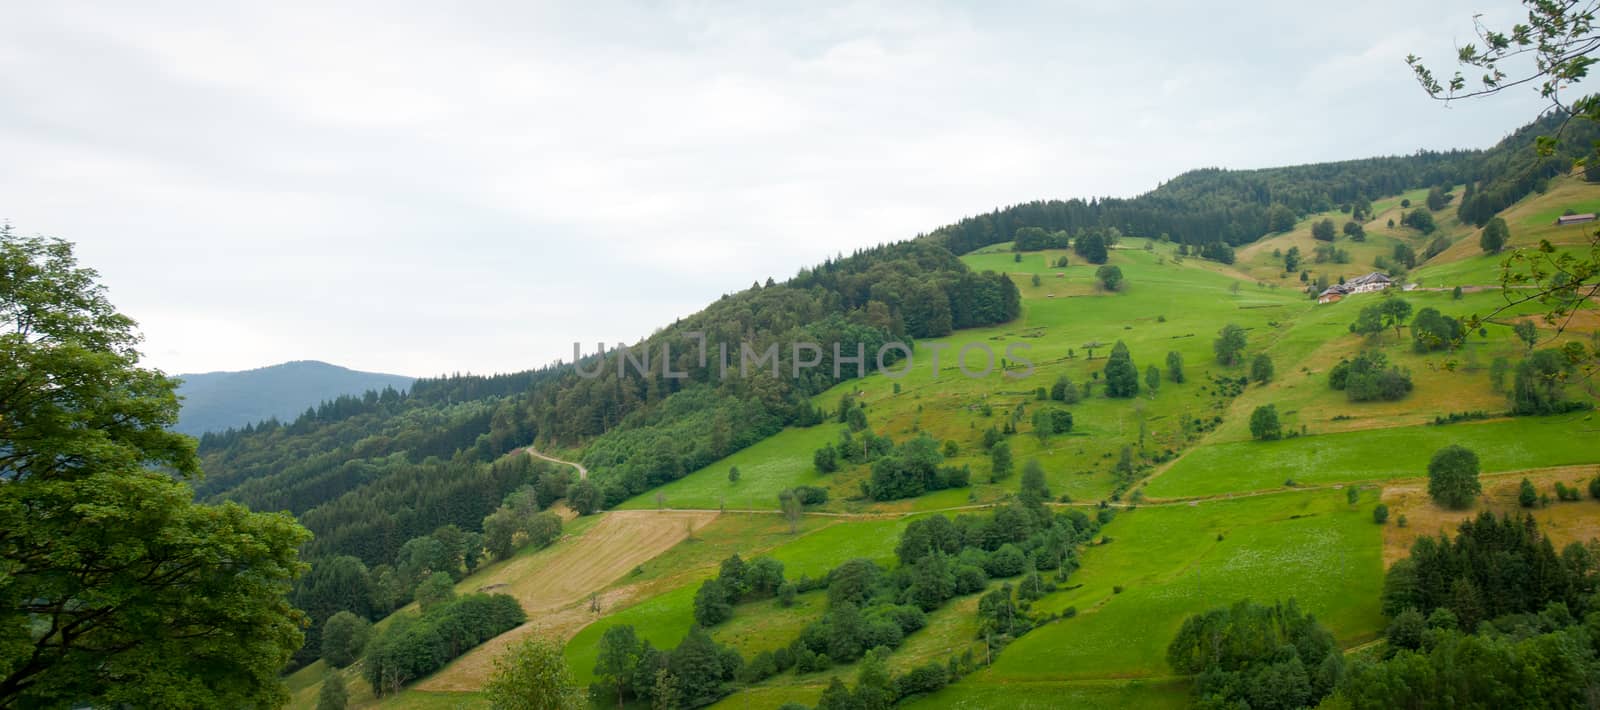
x: 1201, y: 511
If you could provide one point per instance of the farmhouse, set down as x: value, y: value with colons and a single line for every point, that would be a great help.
x: 1567, y: 219
x: 1360, y: 284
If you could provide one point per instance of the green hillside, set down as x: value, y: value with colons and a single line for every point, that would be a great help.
x: 1149, y: 507
x: 1184, y: 540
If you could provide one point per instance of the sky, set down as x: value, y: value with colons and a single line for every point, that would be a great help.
x: 409, y: 188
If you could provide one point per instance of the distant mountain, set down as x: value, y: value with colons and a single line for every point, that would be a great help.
x: 215, y: 401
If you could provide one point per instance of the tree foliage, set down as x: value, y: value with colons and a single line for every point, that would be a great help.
x: 1229, y: 345
x: 1453, y: 477
x: 1257, y: 656
x: 533, y: 675
x: 1121, y: 375
x: 1370, y: 378
x: 118, y: 588
x: 1264, y: 423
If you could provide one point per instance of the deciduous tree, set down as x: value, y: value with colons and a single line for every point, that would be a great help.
x: 533, y: 675
x: 118, y: 588
x: 1230, y: 343
x: 1453, y: 477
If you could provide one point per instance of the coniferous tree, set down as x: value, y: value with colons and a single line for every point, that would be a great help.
x: 1121, y: 375
x: 1494, y: 237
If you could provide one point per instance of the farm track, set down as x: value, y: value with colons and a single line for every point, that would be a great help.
x: 583, y: 473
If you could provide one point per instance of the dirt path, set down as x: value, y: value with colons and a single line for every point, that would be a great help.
x: 554, y: 586
x: 583, y: 473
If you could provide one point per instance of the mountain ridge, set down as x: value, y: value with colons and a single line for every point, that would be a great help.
x: 220, y: 400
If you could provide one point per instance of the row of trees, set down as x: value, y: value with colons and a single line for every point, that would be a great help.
x: 344, y: 583
x: 411, y: 647
x: 1257, y: 656
x: 1229, y: 207
x: 692, y: 674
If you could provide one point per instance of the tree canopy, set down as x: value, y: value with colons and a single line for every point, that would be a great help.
x: 119, y: 589
x: 1453, y: 477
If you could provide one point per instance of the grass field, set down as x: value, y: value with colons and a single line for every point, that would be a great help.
x: 1047, y: 695
x: 771, y: 465
x: 1401, y: 452
x: 1171, y: 562
x: 1170, y: 557
x: 664, y: 619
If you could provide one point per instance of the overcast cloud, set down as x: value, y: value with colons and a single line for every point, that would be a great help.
x: 393, y: 187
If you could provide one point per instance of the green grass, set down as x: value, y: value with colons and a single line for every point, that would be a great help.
x: 1401, y: 452
x: 769, y: 698
x: 1478, y: 269
x: 765, y: 468
x: 1165, y: 306
x: 817, y: 553
x: 662, y: 620
x: 1311, y: 546
x: 666, y: 618
x: 1049, y: 695
x: 765, y: 625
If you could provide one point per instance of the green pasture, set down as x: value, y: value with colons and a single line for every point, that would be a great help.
x: 1378, y: 454
x: 1174, y: 561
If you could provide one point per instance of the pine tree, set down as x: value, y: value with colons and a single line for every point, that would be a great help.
x: 1121, y: 375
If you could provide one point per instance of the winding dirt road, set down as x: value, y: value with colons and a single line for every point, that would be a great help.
x: 583, y: 473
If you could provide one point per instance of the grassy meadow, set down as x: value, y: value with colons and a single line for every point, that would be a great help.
x: 1217, y: 523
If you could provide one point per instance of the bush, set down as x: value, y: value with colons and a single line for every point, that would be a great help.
x: 1008, y: 561
x: 1368, y: 377
x: 760, y: 668
x: 922, y: 679
x: 811, y: 495
x: 1380, y: 514
x: 1567, y: 493
x: 970, y: 579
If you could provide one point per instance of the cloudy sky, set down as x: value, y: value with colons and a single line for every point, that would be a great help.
x: 395, y: 187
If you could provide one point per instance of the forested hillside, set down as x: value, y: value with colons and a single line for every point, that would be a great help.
x: 1235, y: 207
x: 217, y: 401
